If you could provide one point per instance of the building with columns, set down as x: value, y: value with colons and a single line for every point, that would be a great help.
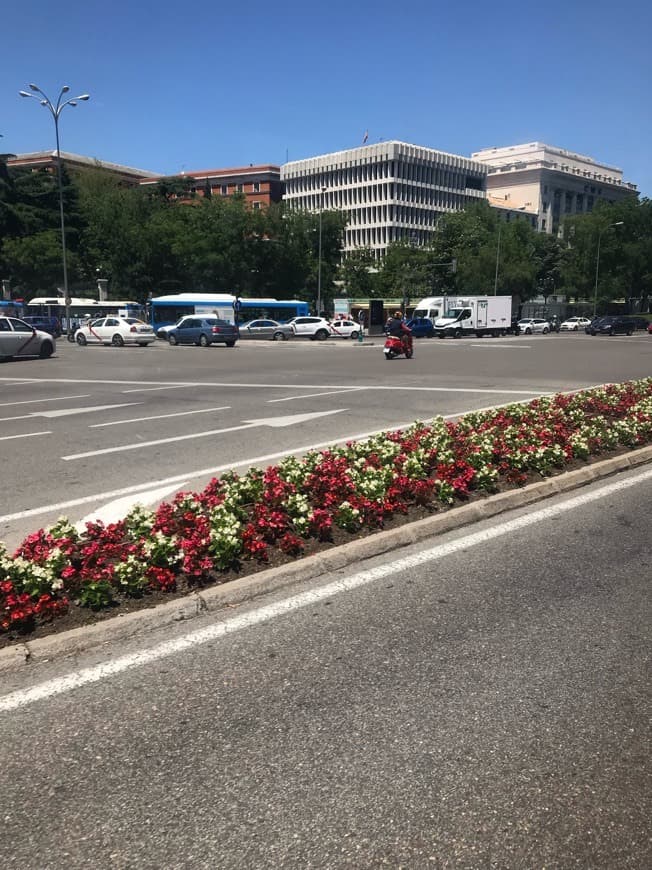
x: 550, y: 181
x: 389, y: 190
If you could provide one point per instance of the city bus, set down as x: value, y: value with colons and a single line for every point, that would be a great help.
x: 166, y: 310
x: 81, y: 309
x: 12, y: 308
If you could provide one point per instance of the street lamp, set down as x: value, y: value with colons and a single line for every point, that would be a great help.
x: 597, y: 263
x: 55, y: 110
x: 500, y: 229
x: 321, y: 207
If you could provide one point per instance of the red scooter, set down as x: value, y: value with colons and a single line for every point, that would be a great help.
x: 394, y: 346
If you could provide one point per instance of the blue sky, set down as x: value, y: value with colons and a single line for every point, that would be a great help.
x: 199, y: 85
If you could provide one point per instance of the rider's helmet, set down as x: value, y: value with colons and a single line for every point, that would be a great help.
x: 398, y: 315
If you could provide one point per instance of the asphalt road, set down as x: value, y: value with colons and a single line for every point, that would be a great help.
x: 487, y: 708
x: 93, y: 426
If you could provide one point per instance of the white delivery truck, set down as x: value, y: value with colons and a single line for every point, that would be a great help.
x: 475, y: 315
x: 431, y: 307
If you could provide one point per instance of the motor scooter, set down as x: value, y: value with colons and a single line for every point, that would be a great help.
x: 394, y: 347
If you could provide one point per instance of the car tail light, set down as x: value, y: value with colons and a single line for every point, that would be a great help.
x: 133, y: 329
x: 215, y: 329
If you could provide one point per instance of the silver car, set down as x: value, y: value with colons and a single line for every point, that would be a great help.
x: 530, y: 325
x: 266, y: 329
x: 19, y: 339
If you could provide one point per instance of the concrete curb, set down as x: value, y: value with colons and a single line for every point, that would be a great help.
x: 123, y: 627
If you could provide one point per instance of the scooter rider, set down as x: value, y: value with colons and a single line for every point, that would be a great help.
x: 396, y: 326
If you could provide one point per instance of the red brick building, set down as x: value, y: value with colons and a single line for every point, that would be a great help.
x: 260, y: 185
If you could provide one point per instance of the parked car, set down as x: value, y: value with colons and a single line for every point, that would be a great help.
x: 529, y: 325
x: 344, y: 328
x: 204, y: 331
x: 611, y: 326
x: 649, y: 329
x: 574, y: 324
x: 45, y: 324
x: 422, y: 327
x: 311, y: 327
x: 19, y: 339
x: 266, y: 329
x: 639, y: 322
x: 117, y: 331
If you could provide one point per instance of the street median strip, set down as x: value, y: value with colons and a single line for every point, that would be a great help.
x: 305, y: 517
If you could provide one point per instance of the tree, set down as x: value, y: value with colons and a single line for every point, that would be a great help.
x: 360, y: 275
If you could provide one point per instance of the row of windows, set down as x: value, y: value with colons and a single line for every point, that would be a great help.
x: 227, y: 189
x: 416, y: 171
x: 378, y: 238
x: 344, y: 200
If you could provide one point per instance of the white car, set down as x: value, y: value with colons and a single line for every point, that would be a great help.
x: 117, y: 331
x: 18, y: 339
x: 311, y: 327
x: 529, y: 325
x: 574, y: 324
x: 344, y: 329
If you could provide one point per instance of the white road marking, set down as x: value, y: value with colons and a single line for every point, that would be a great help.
x: 85, y: 676
x: 154, y: 389
x: 312, y: 395
x: 157, y: 417
x: 274, y: 422
x: 285, y: 385
x: 120, y: 507
x: 37, y: 401
x: 510, y: 346
x: 24, y: 435
x: 68, y: 412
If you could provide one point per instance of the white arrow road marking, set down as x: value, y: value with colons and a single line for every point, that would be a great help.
x: 247, y: 424
x: 312, y: 395
x: 67, y: 412
x: 158, y: 417
x: 120, y: 507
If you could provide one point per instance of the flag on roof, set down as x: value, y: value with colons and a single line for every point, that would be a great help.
x: 365, y: 137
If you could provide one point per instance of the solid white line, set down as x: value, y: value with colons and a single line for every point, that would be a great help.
x: 312, y: 395
x: 153, y: 389
x: 510, y: 346
x: 171, y: 440
x: 157, y: 417
x: 37, y: 401
x: 263, y: 386
x: 85, y: 676
x: 24, y: 435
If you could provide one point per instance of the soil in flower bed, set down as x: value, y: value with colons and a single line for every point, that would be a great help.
x: 77, y: 616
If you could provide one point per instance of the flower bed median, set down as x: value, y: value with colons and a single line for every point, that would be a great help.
x: 60, y: 577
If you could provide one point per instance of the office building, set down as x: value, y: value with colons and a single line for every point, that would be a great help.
x: 389, y: 191
x: 260, y: 185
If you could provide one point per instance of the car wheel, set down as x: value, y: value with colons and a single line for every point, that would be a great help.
x: 321, y: 335
x: 354, y: 335
x: 457, y: 333
x: 203, y: 341
x: 629, y: 332
x: 611, y: 331
x: 279, y: 336
x: 545, y: 330
x: 46, y: 350
x: 575, y: 328
x: 117, y: 340
x: 81, y: 339
x: 173, y: 340
x: 528, y: 331
x: 230, y: 343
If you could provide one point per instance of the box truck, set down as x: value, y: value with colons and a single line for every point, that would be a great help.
x: 475, y: 315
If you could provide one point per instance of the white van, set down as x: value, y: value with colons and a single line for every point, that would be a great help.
x: 432, y: 307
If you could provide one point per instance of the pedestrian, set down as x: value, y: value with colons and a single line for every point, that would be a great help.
x: 361, y: 320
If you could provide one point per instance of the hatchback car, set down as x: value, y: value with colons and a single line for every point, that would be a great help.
x: 422, y: 327
x: 529, y: 325
x: 344, y: 328
x: 574, y: 324
x: 611, y: 326
x: 204, y: 331
x: 19, y: 339
x: 117, y: 331
x: 311, y: 327
x: 271, y: 330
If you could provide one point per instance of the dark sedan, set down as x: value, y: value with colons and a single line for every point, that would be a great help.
x: 611, y: 326
x: 203, y: 331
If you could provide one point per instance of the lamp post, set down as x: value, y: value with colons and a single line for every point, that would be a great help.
x: 500, y: 229
x: 55, y: 110
x: 321, y: 207
x: 597, y: 263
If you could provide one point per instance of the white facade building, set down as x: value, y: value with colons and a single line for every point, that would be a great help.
x: 389, y: 191
x: 551, y: 181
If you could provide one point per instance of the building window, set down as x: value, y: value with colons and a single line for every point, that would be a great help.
x: 225, y: 190
x: 238, y: 187
x: 256, y: 187
x: 255, y: 205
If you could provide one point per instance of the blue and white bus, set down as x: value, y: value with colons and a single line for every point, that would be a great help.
x: 11, y: 308
x: 166, y: 310
x: 80, y: 309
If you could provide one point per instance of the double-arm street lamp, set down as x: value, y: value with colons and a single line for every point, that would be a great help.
x: 55, y: 110
x: 597, y: 263
x: 321, y: 208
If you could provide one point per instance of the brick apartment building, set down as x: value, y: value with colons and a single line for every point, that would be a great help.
x: 260, y: 185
